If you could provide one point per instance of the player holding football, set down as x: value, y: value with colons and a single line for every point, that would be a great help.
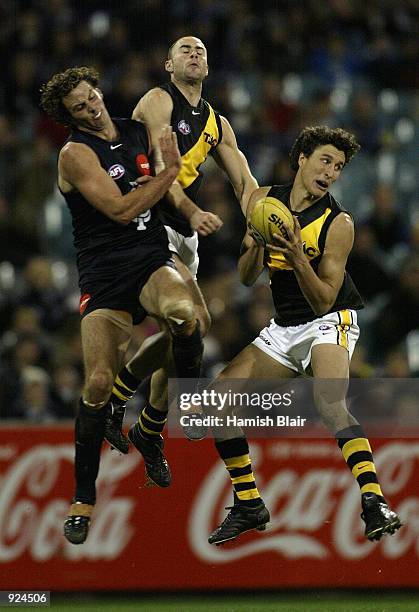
x: 201, y: 131
x: 315, y: 327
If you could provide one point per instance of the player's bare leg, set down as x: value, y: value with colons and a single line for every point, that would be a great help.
x: 192, y: 430
x: 149, y: 359
x: 330, y: 364
x: 248, y: 511
x: 201, y: 310
x: 175, y: 306
x: 104, y: 342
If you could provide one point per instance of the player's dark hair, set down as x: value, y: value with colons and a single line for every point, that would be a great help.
x: 310, y: 138
x: 59, y: 86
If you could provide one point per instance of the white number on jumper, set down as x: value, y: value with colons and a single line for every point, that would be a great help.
x: 145, y: 217
x: 142, y: 220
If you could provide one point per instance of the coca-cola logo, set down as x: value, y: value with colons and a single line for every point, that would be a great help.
x: 312, y: 496
x: 28, y: 524
x: 302, y: 505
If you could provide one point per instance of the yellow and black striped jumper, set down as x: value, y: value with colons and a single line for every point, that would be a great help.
x: 293, y: 309
x: 199, y: 131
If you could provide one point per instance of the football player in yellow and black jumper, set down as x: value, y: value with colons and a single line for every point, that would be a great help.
x: 201, y: 131
x: 123, y: 261
x: 315, y: 327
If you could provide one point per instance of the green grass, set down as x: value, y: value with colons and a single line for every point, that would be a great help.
x: 319, y: 601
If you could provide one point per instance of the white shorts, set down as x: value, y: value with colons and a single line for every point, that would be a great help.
x: 292, y: 345
x: 186, y: 247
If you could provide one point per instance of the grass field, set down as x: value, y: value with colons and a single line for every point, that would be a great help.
x: 357, y: 601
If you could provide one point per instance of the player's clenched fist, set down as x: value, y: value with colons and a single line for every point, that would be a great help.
x: 205, y: 223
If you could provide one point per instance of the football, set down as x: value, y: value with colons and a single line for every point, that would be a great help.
x: 268, y: 218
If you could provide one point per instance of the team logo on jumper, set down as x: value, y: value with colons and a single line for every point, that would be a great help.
x: 325, y: 327
x: 143, y: 165
x: 116, y: 171
x: 83, y: 302
x: 183, y: 127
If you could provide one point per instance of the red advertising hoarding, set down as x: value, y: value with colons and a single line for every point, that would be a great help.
x: 150, y: 538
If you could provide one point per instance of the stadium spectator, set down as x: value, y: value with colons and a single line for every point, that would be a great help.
x: 387, y: 223
x: 66, y: 389
x: 40, y: 292
x: 34, y: 403
x: 27, y: 350
x: 39, y: 38
x: 401, y: 314
x: 365, y: 264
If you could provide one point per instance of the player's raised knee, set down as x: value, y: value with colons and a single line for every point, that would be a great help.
x: 99, y: 386
x: 180, y: 316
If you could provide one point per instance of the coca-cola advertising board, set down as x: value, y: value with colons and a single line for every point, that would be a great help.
x: 150, y: 538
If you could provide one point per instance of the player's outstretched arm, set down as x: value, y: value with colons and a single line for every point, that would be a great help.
x: 230, y: 159
x: 79, y: 168
x: 154, y: 110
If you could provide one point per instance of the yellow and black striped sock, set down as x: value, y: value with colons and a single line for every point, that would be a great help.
x: 124, y: 387
x: 235, y: 454
x: 356, y: 451
x: 151, y: 422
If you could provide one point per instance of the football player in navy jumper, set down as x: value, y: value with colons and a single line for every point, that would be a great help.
x: 124, y: 264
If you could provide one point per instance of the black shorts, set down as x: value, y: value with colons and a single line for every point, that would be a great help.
x: 117, y: 279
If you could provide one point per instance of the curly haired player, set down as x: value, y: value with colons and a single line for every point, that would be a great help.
x: 123, y: 260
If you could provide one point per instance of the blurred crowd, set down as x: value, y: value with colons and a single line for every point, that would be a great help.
x: 275, y: 67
